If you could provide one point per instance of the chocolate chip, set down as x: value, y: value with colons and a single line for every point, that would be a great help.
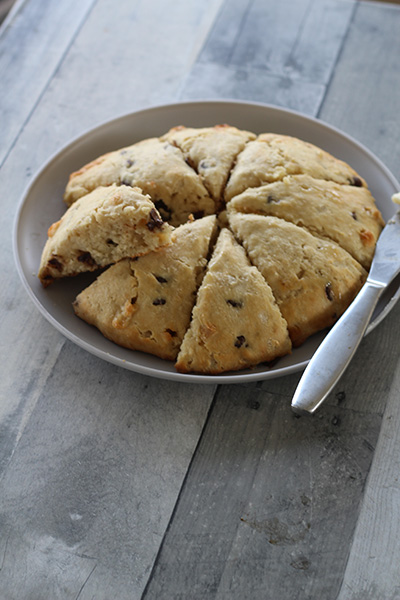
x: 329, y: 291
x: 234, y: 303
x: 356, y: 181
x: 86, y: 257
x: 160, y: 279
x: 155, y: 220
x: 189, y: 162
x: 203, y: 164
x: 159, y: 301
x: 111, y: 242
x: 240, y: 340
x: 171, y: 332
x: 163, y: 208
x: 54, y: 262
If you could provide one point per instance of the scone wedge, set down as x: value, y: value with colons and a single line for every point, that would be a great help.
x: 271, y: 157
x: 155, y: 166
x: 342, y: 213
x: 313, y: 280
x: 236, y: 322
x: 145, y: 304
x: 211, y: 151
x: 109, y: 224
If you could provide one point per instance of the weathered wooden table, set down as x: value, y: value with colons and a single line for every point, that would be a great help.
x: 118, y: 485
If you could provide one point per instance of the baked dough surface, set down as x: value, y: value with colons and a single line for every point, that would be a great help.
x: 291, y: 231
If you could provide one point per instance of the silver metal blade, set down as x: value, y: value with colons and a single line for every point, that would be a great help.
x: 334, y: 354
x: 386, y: 263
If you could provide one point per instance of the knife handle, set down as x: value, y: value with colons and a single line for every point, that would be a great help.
x: 335, y: 352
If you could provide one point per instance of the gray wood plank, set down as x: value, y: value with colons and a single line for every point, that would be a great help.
x: 372, y: 51
x: 93, y: 482
x: 213, y: 81
x: 240, y: 528
x: 48, y: 547
x: 265, y: 51
x: 50, y: 38
x: 270, y: 502
x: 66, y: 110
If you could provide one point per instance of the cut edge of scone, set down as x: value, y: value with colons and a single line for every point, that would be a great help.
x: 236, y: 322
x: 342, y: 213
x: 145, y: 304
x: 271, y: 157
x: 158, y: 168
x: 313, y: 280
x: 211, y: 152
x: 105, y: 226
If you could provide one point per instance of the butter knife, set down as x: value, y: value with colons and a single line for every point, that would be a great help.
x: 337, y: 349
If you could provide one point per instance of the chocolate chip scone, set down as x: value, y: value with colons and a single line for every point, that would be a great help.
x: 158, y: 168
x: 342, y: 213
x: 236, y: 322
x: 110, y: 223
x: 313, y: 280
x: 272, y: 157
x: 211, y: 151
x: 145, y: 304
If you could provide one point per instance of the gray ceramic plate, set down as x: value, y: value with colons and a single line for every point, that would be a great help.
x: 42, y: 205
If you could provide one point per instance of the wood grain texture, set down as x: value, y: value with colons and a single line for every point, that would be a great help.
x: 265, y: 51
x: 94, y: 479
x: 34, y: 54
x: 269, y: 504
x: 372, y: 52
x: 113, y: 484
x: 51, y: 467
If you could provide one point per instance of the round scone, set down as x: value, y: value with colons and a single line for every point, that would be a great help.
x: 110, y: 223
x: 211, y: 151
x: 271, y: 157
x: 313, y: 280
x: 145, y: 304
x: 158, y: 168
x: 306, y: 219
x: 236, y: 322
x: 342, y: 213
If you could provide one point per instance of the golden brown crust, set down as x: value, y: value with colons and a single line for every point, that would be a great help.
x: 236, y: 322
x: 146, y: 304
x: 158, y: 168
x: 314, y: 224
x: 344, y: 214
x: 109, y: 224
x: 272, y: 157
x: 313, y: 280
x: 211, y: 151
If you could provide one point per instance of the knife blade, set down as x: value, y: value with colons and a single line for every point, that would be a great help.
x: 337, y: 349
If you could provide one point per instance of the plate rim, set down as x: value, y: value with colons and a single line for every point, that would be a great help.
x: 232, y: 377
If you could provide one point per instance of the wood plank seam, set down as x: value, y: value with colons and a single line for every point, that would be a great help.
x: 51, y: 76
x: 187, y: 474
x: 342, y: 45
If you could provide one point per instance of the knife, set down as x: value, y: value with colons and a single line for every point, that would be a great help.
x: 335, y: 352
